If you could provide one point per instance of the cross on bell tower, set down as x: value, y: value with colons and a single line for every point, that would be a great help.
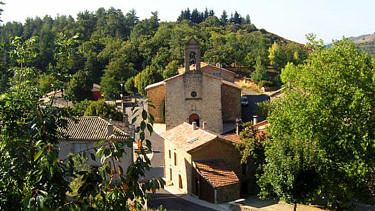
x: 192, y: 54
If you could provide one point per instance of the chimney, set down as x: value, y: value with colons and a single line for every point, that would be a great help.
x: 255, y: 119
x: 109, y: 129
x: 204, y: 125
x: 194, y: 125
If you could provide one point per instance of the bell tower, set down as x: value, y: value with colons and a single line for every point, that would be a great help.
x: 193, y: 78
x: 192, y: 54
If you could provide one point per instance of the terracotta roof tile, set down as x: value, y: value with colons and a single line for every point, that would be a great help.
x: 261, y: 125
x: 91, y: 128
x: 216, y: 172
x: 233, y: 137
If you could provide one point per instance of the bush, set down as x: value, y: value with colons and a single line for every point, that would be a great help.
x: 130, y: 86
x: 104, y: 110
x: 80, y: 107
x: 79, y: 87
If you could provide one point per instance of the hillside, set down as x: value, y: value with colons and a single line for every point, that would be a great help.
x: 365, y: 42
x: 112, y: 47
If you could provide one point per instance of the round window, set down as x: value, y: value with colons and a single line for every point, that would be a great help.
x: 193, y: 94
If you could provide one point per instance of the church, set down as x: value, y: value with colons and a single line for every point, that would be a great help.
x: 200, y: 108
x: 201, y: 95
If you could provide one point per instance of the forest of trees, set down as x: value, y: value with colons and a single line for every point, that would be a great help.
x: 110, y: 48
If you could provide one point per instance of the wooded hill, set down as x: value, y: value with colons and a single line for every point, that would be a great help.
x: 112, y: 48
x: 366, y: 43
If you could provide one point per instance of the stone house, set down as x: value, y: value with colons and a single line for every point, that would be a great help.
x: 81, y: 135
x: 202, y: 163
x: 196, y: 95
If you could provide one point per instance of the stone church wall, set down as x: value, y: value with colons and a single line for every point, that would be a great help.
x: 231, y: 103
x: 207, y: 102
x: 157, y: 96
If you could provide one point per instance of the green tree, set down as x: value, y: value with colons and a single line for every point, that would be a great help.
x: 1, y: 10
x: 130, y: 86
x: 79, y: 108
x: 277, y: 56
x: 118, y: 72
x: 171, y: 69
x: 79, y: 87
x: 322, y: 132
x: 224, y: 18
x: 47, y: 83
x: 260, y: 72
x: 103, y: 109
x: 148, y: 76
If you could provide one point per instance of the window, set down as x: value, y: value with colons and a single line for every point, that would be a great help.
x: 193, y: 94
x: 170, y: 174
x: 175, y: 159
x: 170, y: 156
x: 180, y: 181
x: 218, y: 74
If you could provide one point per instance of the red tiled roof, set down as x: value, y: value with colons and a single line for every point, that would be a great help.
x: 91, y: 128
x: 261, y: 125
x: 233, y: 137
x: 216, y: 172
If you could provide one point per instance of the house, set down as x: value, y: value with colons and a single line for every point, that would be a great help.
x: 96, y: 94
x: 81, y: 135
x: 196, y: 95
x: 215, y: 70
x: 202, y: 163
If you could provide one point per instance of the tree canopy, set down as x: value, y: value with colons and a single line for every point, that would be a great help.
x: 322, y: 133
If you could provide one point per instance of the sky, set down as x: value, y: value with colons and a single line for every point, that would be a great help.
x: 291, y: 19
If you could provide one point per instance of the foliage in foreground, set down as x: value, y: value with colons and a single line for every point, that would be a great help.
x: 322, y: 133
x: 33, y: 177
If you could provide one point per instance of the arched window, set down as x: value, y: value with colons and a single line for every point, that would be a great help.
x: 179, y: 181
x: 192, y: 58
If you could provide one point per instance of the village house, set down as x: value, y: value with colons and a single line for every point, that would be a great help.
x: 81, y: 135
x: 202, y: 163
x: 206, y: 164
x: 196, y: 95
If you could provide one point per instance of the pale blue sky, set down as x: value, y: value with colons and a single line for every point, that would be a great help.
x: 292, y: 19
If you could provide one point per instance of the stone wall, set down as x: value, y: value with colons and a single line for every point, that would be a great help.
x: 231, y: 98
x: 207, y: 103
x: 157, y: 96
x: 228, y: 193
x: 67, y: 147
x: 218, y: 149
x: 183, y: 167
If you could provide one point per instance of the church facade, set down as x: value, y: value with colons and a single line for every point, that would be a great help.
x: 196, y: 96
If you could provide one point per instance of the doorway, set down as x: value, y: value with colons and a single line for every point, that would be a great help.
x: 194, y: 118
